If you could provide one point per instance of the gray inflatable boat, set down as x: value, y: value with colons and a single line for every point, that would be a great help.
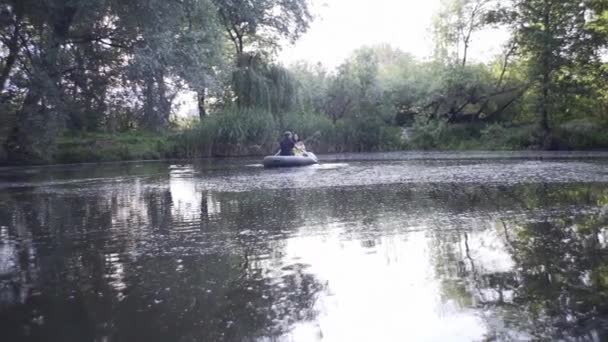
x: 290, y: 161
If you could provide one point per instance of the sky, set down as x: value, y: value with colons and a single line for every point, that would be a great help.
x: 341, y: 26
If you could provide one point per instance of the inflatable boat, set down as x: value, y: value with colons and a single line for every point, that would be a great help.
x: 290, y: 161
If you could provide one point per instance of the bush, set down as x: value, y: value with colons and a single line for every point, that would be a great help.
x: 317, y: 129
x: 308, y: 124
x: 369, y: 134
x: 441, y: 135
x: 581, y: 134
x: 232, y: 132
x: 242, y: 126
x: 499, y: 137
x: 248, y: 132
x: 480, y: 136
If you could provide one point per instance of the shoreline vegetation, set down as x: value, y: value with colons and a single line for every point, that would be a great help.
x: 186, y: 143
x: 90, y: 81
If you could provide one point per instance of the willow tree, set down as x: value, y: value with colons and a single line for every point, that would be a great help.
x: 264, y: 85
x: 256, y: 29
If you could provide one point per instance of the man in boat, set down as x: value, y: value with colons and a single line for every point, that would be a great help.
x: 287, y: 144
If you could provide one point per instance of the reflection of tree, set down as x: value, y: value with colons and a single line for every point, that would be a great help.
x: 115, y: 263
x: 557, y: 286
x: 560, y: 264
x: 211, y: 298
x: 562, y: 276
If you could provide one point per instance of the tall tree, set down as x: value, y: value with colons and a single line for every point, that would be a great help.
x: 84, y: 63
x: 556, y: 39
x: 454, y: 26
x: 256, y: 29
x: 260, y: 25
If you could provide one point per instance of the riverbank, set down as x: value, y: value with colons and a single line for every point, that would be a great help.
x: 200, y: 142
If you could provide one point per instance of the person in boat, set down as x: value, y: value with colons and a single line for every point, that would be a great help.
x: 287, y: 144
x: 299, y: 149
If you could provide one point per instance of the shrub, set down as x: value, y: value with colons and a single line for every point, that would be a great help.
x: 253, y: 131
x: 498, y: 137
x: 581, y: 134
x: 440, y: 135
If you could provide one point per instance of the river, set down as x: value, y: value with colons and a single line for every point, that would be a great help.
x: 363, y: 247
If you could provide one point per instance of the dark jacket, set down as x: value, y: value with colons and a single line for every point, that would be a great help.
x: 287, y: 145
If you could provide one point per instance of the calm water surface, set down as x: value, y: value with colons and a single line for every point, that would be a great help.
x: 370, y: 247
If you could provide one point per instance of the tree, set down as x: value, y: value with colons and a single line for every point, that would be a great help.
x: 255, y: 29
x: 261, y: 24
x: 92, y: 64
x: 454, y: 26
x: 556, y: 39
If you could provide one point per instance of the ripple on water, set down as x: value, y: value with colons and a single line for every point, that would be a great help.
x: 396, y: 172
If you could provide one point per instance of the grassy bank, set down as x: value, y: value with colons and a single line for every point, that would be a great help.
x: 573, y: 135
x: 103, y: 147
x: 233, y: 133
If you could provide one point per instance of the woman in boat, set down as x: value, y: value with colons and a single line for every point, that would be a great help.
x: 299, y: 149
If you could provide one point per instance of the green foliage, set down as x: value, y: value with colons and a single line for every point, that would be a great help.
x: 258, y: 84
x: 367, y: 134
x: 499, y: 137
x: 256, y: 132
x: 261, y: 24
x: 480, y: 136
x: 581, y: 134
x: 309, y: 124
x: 243, y: 126
x: 232, y: 132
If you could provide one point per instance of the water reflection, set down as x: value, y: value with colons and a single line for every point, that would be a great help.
x: 151, y: 253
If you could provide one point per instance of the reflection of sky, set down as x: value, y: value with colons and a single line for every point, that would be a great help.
x: 130, y: 205
x: 8, y: 253
x: 488, y: 250
x: 12, y: 270
x: 380, y: 292
x: 115, y: 272
x: 187, y: 200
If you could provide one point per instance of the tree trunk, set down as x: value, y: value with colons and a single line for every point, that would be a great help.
x: 546, y: 67
x: 13, y: 50
x: 544, y: 120
x: 20, y: 144
x: 149, y: 103
x: 164, y: 110
x: 201, y: 103
x: 39, y: 120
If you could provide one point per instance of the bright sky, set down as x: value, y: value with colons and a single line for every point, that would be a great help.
x: 342, y: 26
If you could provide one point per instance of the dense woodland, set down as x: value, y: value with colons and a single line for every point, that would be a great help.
x: 85, y: 80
